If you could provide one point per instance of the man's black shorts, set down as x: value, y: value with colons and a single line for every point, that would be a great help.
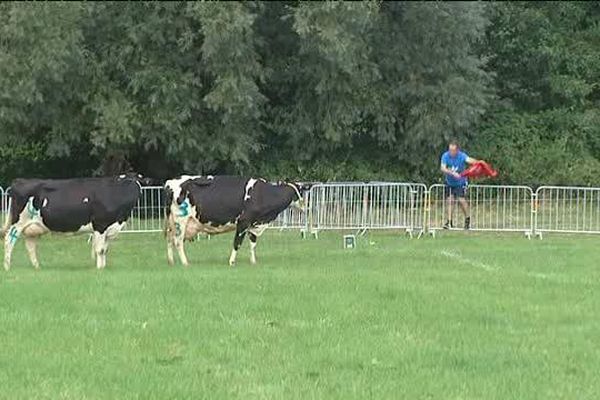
x: 456, y: 191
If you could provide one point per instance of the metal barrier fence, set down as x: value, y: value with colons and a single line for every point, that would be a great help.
x: 420, y: 222
x: 362, y: 206
x: 411, y: 207
x: 567, y: 210
x: 148, y: 215
x: 492, y: 208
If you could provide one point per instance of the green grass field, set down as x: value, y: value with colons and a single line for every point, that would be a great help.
x: 462, y: 316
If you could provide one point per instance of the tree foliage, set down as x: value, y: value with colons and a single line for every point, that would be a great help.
x: 546, y: 126
x: 332, y: 90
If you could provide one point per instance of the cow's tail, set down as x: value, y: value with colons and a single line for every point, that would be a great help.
x: 6, y: 221
x: 168, y: 194
x: 166, y: 226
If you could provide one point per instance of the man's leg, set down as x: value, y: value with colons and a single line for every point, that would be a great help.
x: 464, y: 205
x: 449, y: 202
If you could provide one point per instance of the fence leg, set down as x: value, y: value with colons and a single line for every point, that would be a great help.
x: 427, y: 214
x: 534, y: 218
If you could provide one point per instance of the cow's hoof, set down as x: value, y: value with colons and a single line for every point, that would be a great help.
x: 232, y: 263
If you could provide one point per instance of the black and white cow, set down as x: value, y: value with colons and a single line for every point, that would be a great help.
x: 217, y: 204
x: 98, y: 205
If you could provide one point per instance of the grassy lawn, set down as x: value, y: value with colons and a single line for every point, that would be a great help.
x: 462, y: 316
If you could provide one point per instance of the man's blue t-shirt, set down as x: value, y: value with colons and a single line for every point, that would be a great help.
x: 456, y: 164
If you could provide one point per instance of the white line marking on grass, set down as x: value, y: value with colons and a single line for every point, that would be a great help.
x: 538, y: 275
x: 468, y: 261
x: 489, y: 268
x: 549, y: 277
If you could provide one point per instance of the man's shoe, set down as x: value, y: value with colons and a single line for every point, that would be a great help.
x: 467, y: 223
x: 448, y: 225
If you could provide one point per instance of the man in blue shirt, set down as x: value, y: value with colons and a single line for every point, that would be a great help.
x: 454, y: 161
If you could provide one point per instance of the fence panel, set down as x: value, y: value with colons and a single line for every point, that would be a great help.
x: 492, y: 208
x: 358, y: 206
x: 420, y: 207
x: 567, y: 210
x: 148, y: 213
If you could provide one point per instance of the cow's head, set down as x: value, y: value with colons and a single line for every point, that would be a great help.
x: 299, y: 190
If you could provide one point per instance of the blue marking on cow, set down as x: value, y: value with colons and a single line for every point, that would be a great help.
x: 184, y: 208
x: 13, y: 235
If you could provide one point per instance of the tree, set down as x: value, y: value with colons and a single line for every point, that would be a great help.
x: 305, y: 90
x: 433, y: 84
x: 42, y: 75
x: 546, y: 129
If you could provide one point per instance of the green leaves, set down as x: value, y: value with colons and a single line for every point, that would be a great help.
x: 229, y: 56
x: 545, y: 56
x: 40, y: 49
x: 318, y: 89
x: 549, y: 147
x: 332, y: 70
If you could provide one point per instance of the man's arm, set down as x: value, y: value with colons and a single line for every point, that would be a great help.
x: 471, y: 160
x: 445, y: 170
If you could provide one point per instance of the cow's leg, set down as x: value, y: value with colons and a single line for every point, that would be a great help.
x: 170, y: 234
x: 31, y: 233
x: 110, y: 234
x: 100, y: 241
x: 31, y: 245
x: 179, y: 238
x: 253, y: 238
x: 92, y: 247
x: 253, y: 234
x: 240, y: 232
x: 100, y: 249
x: 10, y: 239
x: 105, y: 250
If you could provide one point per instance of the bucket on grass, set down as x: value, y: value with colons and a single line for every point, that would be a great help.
x: 349, y: 241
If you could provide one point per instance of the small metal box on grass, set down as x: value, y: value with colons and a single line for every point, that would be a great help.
x: 349, y: 241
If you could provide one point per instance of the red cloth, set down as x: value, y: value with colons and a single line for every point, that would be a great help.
x: 479, y: 169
